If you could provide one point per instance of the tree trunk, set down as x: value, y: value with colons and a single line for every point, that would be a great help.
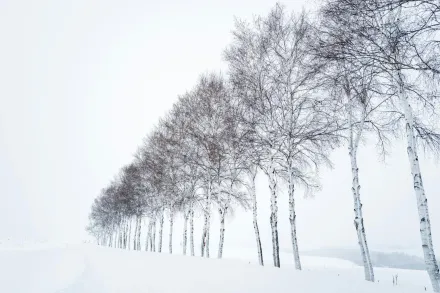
x: 206, y: 225
x: 422, y: 202
x: 120, y: 234
x: 170, y: 247
x: 159, y: 245
x: 191, y: 231
x: 135, y: 234
x: 185, y: 230
x: 222, y: 213
x: 274, y: 214
x: 129, y: 234
x: 253, y: 195
x: 358, y: 219
x: 153, y: 237
x: 125, y: 233
x: 148, y: 239
x: 139, y: 234
x: 292, y: 218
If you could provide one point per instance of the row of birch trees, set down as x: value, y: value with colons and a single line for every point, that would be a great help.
x: 298, y: 86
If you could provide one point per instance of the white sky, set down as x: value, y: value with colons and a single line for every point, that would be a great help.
x: 82, y: 82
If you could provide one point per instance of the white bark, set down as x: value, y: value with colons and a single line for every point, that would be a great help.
x: 148, y: 239
x: 153, y: 237
x: 129, y: 235
x: 422, y: 202
x: 139, y: 234
x: 292, y: 218
x: 253, y: 194
x: 206, y: 224
x: 274, y: 214
x: 185, y: 230
x: 170, y: 245
x: 135, y: 233
x: 159, y: 245
x: 191, y: 231
x: 222, y: 213
x: 358, y: 219
x: 125, y: 234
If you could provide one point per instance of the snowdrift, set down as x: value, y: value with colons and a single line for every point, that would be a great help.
x: 91, y: 269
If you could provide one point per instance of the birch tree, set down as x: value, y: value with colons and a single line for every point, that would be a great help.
x: 268, y: 65
x: 395, y: 38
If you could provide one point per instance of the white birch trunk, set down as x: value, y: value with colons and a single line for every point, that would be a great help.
x: 124, y: 235
x: 202, y: 247
x: 129, y: 234
x: 120, y: 236
x: 253, y: 195
x: 358, y: 219
x: 185, y: 230
x: 148, y: 238
x: 274, y: 213
x: 422, y: 202
x: 191, y: 231
x: 153, y: 237
x: 222, y: 213
x: 159, y: 245
x: 170, y: 247
x: 292, y: 218
x: 206, y: 225
x: 135, y: 234
x: 139, y: 234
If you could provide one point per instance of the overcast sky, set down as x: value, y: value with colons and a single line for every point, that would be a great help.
x: 82, y: 82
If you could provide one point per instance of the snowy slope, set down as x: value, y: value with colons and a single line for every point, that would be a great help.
x: 91, y: 269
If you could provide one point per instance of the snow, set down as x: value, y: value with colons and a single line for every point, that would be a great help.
x: 93, y: 269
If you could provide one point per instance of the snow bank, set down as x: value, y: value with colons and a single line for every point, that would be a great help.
x: 90, y: 269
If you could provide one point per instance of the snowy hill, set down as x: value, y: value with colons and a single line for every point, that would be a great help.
x: 91, y: 269
x: 392, y: 259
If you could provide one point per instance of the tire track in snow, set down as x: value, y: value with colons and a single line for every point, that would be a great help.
x: 88, y: 281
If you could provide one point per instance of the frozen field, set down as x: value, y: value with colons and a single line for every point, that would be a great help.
x: 92, y: 269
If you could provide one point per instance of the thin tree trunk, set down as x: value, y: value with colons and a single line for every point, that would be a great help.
x: 159, y: 245
x: 170, y: 247
x: 185, y: 230
x: 147, y: 239
x: 153, y: 236
x: 422, y: 202
x: 206, y: 224
x: 274, y: 214
x: 191, y: 231
x: 135, y: 234
x: 139, y: 234
x: 358, y: 219
x: 222, y: 213
x: 292, y: 218
x: 129, y: 234
x: 120, y: 234
x: 148, y: 242
x: 124, y: 243
x: 253, y: 195
x: 125, y: 233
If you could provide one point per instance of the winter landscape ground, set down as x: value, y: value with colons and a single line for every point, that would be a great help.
x: 92, y: 269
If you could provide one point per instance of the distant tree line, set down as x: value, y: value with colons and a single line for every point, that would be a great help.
x: 298, y: 86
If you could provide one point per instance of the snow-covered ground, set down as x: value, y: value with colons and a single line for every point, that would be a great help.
x: 92, y: 269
